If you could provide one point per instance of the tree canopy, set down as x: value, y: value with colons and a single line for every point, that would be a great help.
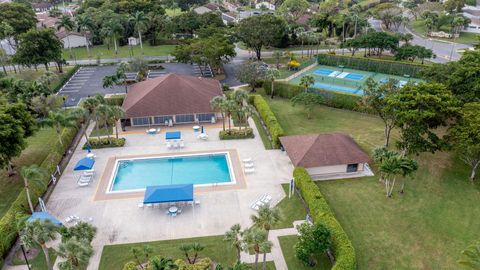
x: 18, y: 16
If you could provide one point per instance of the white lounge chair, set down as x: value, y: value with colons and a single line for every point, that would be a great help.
x: 248, y: 165
x: 247, y: 160
x: 85, y: 178
x: 182, y: 144
x: 197, y: 202
x: 249, y: 170
x: 140, y: 205
x: 267, y: 199
x: 175, y: 144
x: 169, y: 145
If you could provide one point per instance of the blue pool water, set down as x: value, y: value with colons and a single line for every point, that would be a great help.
x: 140, y: 173
x: 353, y: 76
x: 338, y: 88
x: 323, y: 72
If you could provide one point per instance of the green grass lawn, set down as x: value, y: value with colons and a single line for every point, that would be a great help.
x: 124, y: 51
x: 287, y: 243
x: 291, y: 209
x: 426, y: 228
x: 32, y: 74
x: 418, y: 26
x: 39, y: 262
x: 37, y: 150
x: 115, y: 256
x: 172, y: 12
x: 262, y: 132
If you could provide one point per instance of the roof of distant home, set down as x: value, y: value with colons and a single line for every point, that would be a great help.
x: 171, y: 94
x: 317, y: 150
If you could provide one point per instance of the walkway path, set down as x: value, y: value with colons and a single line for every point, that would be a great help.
x: 276, y: 254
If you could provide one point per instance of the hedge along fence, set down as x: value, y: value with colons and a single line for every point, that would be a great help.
x: 19, y: 208
x: 268, y: 117
x: 115, y: 100
x: 329, y: 98
x: 64, y: 79
x: 342, y: 248
x: 371, y: 64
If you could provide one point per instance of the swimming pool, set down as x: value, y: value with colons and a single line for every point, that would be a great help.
x: 199, y: 169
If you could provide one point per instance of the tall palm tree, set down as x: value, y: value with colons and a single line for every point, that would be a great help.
x: 140, y: 21
x: 38, y: 233
x: 102, y: 113
x: 306, y: 81
x: 83, y: 116
x: 265, y: 247
x: 391, y: 168
x: 266, y: 217
x: 234, y: 237
x: 218, y: 103
x: 91, y: 104
x: 76, y: 253
x: 32, y: 174
x: 253, y: 238
x: 59, y: 120
x: 84, y: 24
x: 115, y: 29
x: 471, y: 257
x: 115, y: 114
x: 271, y: 75
x: 230, y: 107
x: 299, y: 32
x: 106, y: 33
x: 196, y: 248
x: 68, y: 24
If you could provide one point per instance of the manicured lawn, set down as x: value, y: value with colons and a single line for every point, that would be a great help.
x: 287, y: 243
x: 270, y: 265
x: 172, y: 12
x: 39, y: 262
x: 426, y: 228
x: 291, y: 209
x: 115, y: 256
x: 37, y: 150
x: 103, y: 52
x: 465, y: 37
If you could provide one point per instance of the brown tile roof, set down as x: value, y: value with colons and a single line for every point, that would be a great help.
x: 171, y: 94
x: 316, y: 150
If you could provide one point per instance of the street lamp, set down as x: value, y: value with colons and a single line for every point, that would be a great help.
x: 25, y: 256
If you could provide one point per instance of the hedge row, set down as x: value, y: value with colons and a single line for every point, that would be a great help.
x: 105, y: 143
x: 371, y: 64
x: 329, y: 98
x: 116, y: 100
x: 19, y: 208
x: 64, y: 79
x: 320, y: 211
x: 274, y: 128
x: 233, y: 134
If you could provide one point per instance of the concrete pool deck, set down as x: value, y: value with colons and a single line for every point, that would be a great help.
x: 121, y: 221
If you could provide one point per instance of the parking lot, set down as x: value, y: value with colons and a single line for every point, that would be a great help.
x: 88, y: 81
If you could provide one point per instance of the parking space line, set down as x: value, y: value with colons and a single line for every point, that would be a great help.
x: 72, y: 87
x: 69, y: 91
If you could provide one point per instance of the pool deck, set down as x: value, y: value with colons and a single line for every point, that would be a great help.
x: 120, y: 220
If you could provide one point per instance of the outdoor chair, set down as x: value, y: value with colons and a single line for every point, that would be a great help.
x: 249, y: 170
x: 248, y: 165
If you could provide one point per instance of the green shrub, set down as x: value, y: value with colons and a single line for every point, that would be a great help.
x: 64, y: 79
x: 234, y: 134
x: 19, y: 208
x: 371, y: 64
x: 105, y: 143
x: 274, y: 128
x: 116, y: 100
x: 343, y: 250
x: 329, y: 98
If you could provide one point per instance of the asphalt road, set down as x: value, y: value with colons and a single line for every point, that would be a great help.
x: 444, y: 50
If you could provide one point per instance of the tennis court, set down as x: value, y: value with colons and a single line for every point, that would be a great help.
x: 347, y: 80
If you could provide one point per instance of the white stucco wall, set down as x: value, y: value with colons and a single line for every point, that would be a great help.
x: 331, y: 169
x: 75, y: 41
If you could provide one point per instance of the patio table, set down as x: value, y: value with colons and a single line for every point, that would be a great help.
x: 152, y: 131
x: 173, y: 210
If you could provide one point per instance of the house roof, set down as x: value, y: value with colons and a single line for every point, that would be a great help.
x: 171, y: 94
x: 41, y: 5
x: 317, y: 150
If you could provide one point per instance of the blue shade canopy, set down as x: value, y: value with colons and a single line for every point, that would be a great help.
x: 168, y: 193
x: 43, y: 216
x: 173, y: 135
x: 84, y: 164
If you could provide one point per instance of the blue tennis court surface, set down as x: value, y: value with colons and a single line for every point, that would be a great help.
x: 353, y: 76
x: 338, y: 88
x: 323, y: 72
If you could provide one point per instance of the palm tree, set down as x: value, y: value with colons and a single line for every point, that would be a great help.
x: 109, y: 81
x: 140, y: 20
x: 83, y: 116
x: 106, y: 33
x: 186, y: 248
x: 157, y: 263
x: 266, y: 217
x: 306, y: 81
x: 75, y: 252
x: 47, y: 77
x: 68, y: 24
x: 253, y: 238
x: 230, y: 107
x: 299, y: 32
x: 59, y: 120
x: 102, y: 113
x: 218, y: 103
x: 234, y: 237
x: 32, y: 174
x: 271, y: 75
x: 196, y: 248
x: 114, y: 29
x: 391, y: 168
x: 277, y: 55
x: 91, y: 104
x: 265, y: 247
x: 120, y: 73
x: 38, y: 233
x: 471, y: 257
x: 116, y: 113
x: 84, y: 24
